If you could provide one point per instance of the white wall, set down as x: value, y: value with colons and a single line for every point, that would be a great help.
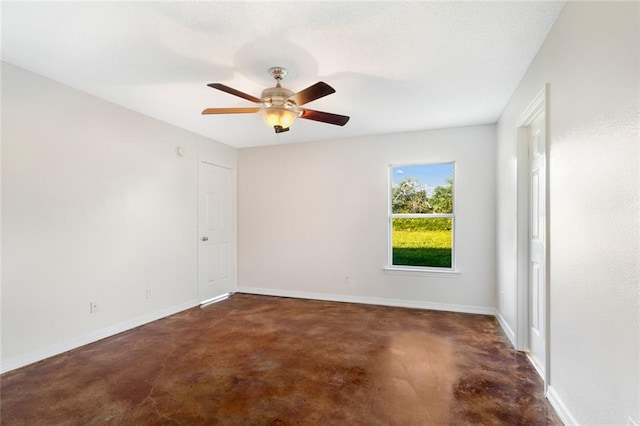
x: 312, y: 213
x: 96, y: 206
x: 590, y: 60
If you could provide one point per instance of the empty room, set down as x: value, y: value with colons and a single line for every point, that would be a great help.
x: 350, y: 212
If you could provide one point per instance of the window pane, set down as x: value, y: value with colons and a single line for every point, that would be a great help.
x: 425, y: 188
x: 422, y: 242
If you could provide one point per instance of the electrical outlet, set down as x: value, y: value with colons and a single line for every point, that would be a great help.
x: 93, y: 307
x: 149, y: 294
x: 501, y: 297
x: 347, y: 279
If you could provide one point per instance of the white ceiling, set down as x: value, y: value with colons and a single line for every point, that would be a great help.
x: 396, y: 66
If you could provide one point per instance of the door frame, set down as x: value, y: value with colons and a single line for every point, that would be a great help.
x: 539, y: 104
x: 212, y: 162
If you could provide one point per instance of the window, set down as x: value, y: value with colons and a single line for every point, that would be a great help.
x: 421, y: 217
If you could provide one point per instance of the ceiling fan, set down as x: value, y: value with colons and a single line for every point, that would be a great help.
x: 280, y: 106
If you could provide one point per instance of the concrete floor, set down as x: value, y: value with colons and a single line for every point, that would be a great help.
x: 257, y: 360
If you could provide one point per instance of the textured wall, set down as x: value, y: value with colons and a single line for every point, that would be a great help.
x: 312, y: 213
x: 96, y: 206
x: 590, y: 60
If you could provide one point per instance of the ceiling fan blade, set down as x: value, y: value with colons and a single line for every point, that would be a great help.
x: 230, y: 110
x: 311, y: 93
x: 235, y: 92
x: 324, y: 117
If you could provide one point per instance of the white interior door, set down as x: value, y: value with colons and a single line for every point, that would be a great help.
x: 537, y: 243
x: 217, y: 231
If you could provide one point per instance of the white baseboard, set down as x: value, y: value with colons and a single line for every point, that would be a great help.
x: 505, y: 327
x: 469, y: 309
x: 561, y: 409
x: 67, y: 345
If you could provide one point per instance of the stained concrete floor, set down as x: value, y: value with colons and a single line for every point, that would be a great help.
x: 257, y: 360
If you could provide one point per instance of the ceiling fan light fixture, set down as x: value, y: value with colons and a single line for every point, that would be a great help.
x: 278, y: 116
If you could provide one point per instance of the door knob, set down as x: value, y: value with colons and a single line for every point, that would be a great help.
x: 205, y: 238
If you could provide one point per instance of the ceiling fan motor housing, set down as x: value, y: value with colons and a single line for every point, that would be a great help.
x: 277, y: 97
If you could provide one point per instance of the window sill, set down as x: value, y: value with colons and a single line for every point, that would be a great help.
x: 399, y: 270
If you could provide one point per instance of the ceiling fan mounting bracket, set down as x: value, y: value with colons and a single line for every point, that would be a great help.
x: 278, y: 73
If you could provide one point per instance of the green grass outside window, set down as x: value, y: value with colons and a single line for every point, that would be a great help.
x: 423, y: 242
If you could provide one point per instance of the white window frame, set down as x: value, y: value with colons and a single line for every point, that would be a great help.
x: 420, y: 269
